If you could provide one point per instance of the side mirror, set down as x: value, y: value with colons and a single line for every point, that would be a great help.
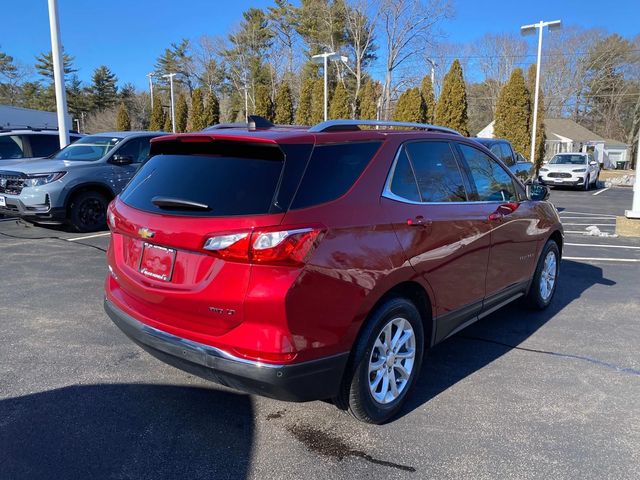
x: 592, y: 163
x: 121, y: 159
x: 537, y: 192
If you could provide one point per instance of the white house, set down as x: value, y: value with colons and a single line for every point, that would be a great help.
x: 565, y: 135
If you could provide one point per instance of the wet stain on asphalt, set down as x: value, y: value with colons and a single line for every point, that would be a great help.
x: 324, y: 444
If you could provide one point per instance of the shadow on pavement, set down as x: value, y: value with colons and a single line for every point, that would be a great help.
x: 126, y: 431
x: 490, y: 338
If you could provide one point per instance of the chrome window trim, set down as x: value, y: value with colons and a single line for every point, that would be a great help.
x: 387, y: 193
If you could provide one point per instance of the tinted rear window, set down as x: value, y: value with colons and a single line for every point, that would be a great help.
x: 44, y: 145
x: 332, y: 170
x: 229, y: 185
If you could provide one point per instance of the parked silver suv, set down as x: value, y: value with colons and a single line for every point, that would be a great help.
x: 24, y: 143
x: 76, y: 184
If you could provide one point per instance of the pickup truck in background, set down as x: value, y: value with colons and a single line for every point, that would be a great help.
x: 517, y: 163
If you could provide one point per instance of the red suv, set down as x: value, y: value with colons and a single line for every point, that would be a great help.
x: 321, y: 263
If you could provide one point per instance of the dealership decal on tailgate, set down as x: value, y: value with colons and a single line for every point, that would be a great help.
x: 157, y: 262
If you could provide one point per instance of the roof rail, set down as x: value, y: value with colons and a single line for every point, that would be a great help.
x: 346, y: 125
x: 10, y: 128
x: 253, y: 122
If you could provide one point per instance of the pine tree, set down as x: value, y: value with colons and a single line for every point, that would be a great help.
x: 429, y: 98
x: 182, y: 114
x: 317, y: 102
x: 451, y: 109
x: 44, y: 65
x: 368, y: 102
x: 212, y: 109
x: 123, y: 121
x: 340, y: 108
x: 264, y: 105
x: 168, y: 125
x: 197, y: 121
x: 284, y: 105
x: 513, y: 111
x: 410, y: 107
x: 541, y: 135
x: 156, y: 121
x: 303, y: 114
x: 104, y: 92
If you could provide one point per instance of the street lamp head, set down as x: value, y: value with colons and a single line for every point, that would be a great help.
x: 555, y: 25
x: 528, y: 29
x: 329, y: 56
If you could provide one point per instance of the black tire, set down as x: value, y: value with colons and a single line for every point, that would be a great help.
x: 587, y: 184
x: 88, y: 212
x: 355, y: 394
x: 535, y: 298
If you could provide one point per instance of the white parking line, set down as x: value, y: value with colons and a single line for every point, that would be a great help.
x: 582, y: 232
x: 599, y: 245
x: 589, y: 224
x: 591, y: 259
x: 587, y: 218
x: 89, y: 236
x: 588, y: 214
x: 8, y: 219
x: 601, y: 191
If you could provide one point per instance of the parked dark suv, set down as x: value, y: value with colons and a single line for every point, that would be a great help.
x: 315, y: 263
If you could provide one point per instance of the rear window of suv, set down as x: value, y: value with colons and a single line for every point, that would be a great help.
x: 240, y: 183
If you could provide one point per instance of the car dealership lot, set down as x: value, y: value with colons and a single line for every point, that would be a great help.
x: 552, y: 394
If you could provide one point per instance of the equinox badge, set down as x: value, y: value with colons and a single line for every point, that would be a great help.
x: 146, y: 233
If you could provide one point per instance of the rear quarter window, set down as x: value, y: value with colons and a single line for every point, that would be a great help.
x: 332, y: 171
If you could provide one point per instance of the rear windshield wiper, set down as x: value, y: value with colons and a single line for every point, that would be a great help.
x: 178, y: 203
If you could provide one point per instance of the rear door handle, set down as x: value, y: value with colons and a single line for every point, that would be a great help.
x: 419, y: 221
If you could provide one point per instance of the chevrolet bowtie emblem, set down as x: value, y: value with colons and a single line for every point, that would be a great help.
x: 146, y: 233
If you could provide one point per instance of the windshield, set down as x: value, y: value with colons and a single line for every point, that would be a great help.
x: 87, y: 149
x: 568, y: 160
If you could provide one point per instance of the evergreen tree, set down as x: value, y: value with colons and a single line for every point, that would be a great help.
x: 317, y: 102
x: 410, y: 107
x: 123, y: 121
x: 197, y: 120
x: 451, y: 109
x: 44, y: 65
x: 168, y: 125
x: 368, y: 102
x: 156, y: 121
x: 182, y: 114
x: 541, y: 135
x: 284, y: 105
x: 264, y: 105
x: 340, y: 107
x: 429, y: 98
x: 104, y: 92
x: 212, y: 109
x: 513, y: 111
x: 303, y: 114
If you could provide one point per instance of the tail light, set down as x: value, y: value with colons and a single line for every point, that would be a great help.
x: 273, y: 246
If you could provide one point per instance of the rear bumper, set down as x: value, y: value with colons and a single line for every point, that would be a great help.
x: 312, y: 380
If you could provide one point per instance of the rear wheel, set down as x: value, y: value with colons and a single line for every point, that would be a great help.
x: 543, y: 285
x: 385, y: 362
x: 88, y: 212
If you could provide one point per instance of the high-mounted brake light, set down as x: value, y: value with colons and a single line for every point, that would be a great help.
x: 275, y: 246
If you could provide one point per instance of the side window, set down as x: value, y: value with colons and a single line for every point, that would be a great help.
x: 138, y: 148
x: 11, y: 147
x: 492, y: 182
x: 507, y: 154
x: 332, y: 170
x: 437, y: 173
x: 496, y: 150
x: 44, y: 145
x: 404, y: 182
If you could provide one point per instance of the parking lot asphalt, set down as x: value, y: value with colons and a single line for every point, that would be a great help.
x: 520, y: 394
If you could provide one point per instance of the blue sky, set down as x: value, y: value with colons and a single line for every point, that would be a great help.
x: 128, y: 35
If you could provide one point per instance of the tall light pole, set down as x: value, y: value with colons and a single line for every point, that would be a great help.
x: 433, y: 72
x: 150, y: 76
x: 324, y: 59
x: 58, y: 74
x: 635, y: 206
x: 173, y: 110
x: 529, y: 30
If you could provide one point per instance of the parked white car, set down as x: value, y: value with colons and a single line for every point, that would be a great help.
x: 571, y: 169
